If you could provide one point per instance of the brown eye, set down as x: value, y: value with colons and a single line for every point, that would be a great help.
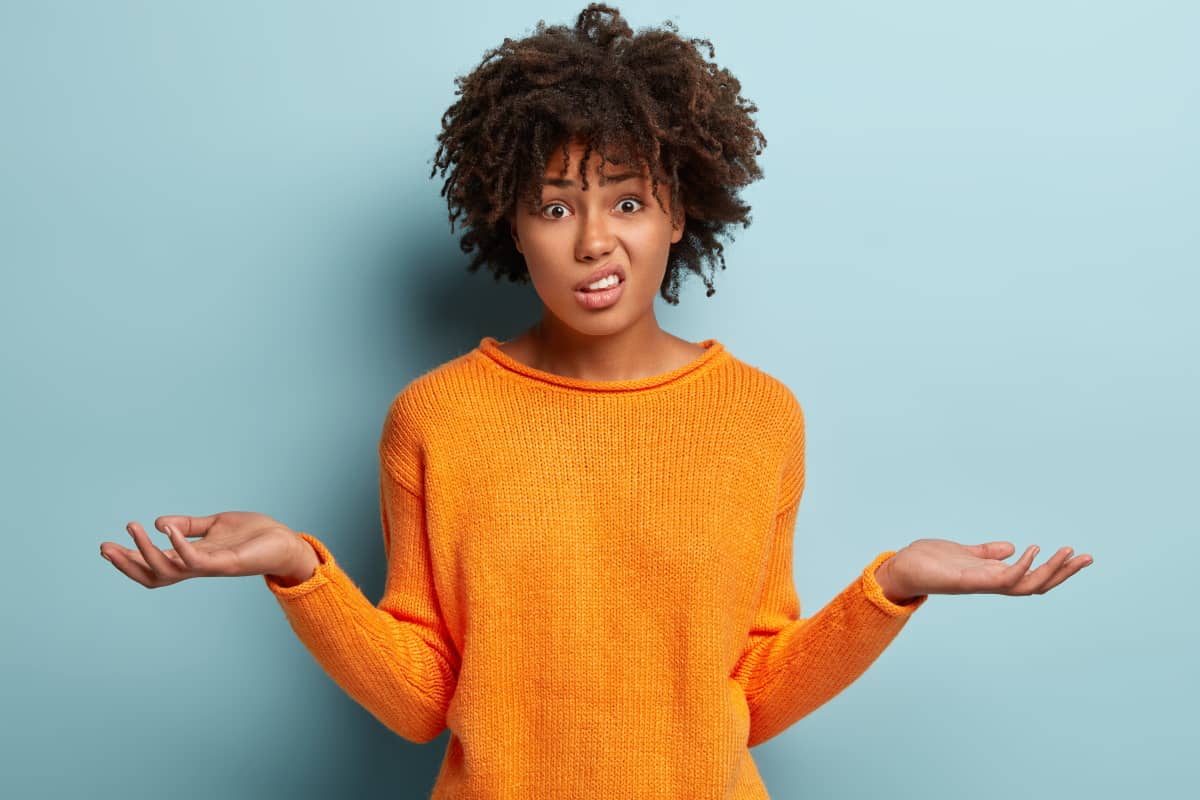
x: 554, y: 211
x: 629, y: 205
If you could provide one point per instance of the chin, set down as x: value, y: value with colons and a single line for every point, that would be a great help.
x: 627, y: 311
x: 595, y: 323
x: 598, y: 327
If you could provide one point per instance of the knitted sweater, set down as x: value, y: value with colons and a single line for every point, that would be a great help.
x: 590, y: 582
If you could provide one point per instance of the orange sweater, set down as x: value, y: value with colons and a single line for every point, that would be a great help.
x: 590, y: 583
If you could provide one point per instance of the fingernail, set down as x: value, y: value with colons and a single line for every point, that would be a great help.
x: 104, y: 555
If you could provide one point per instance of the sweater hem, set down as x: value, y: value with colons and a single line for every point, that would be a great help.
x: 874, y: 591
x: 319, y: 578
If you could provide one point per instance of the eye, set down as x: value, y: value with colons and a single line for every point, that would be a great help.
x: 555, y: 211
x: 624, y: 204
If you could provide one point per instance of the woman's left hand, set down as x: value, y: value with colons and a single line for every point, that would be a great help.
x: 939, y: 566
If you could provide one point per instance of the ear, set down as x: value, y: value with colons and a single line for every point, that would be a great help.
x: 512, y: 228
x: 677, y: 225
x: 678, y: 219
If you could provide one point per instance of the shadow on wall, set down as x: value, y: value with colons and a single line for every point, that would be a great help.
x: 438, y: 311
x: 447, y: 309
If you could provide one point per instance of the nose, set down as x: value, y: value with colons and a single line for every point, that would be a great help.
x: 595, y: 239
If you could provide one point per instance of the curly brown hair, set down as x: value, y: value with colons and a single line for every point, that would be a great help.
x: 649, y: 99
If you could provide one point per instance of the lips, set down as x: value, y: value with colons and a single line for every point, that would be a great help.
x: 603, y: 272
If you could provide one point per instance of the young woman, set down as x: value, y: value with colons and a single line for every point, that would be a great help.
x: 588, y: 528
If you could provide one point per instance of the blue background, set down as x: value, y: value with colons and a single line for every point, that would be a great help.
x: 973, y: 259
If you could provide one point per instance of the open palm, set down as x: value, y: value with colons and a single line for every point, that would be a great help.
x: 940, y: 566
x: 231, y: 543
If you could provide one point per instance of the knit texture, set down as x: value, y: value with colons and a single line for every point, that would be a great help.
x: 590, y: 583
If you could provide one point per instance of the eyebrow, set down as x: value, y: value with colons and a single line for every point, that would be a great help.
x: 567, y: 183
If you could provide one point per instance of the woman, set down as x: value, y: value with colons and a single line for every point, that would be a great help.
x: 588, y: 528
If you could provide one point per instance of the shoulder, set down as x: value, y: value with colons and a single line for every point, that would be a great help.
x: 424, y: 405
x: 777, y: 413
x: 768, y: 395
x: 432, y: 395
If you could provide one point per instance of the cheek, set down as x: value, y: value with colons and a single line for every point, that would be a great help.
x: 652, y: 247
x: 549, y: 261
x: 539, y: 246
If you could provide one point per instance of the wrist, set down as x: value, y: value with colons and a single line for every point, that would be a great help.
x: 892, y: 590
x: 302, y: 565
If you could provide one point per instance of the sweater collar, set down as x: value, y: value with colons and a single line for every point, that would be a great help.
x: 714, y: 353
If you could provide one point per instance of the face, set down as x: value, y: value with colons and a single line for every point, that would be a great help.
x: 574, y: 232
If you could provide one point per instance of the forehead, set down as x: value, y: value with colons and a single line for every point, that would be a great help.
x: 565, y: 160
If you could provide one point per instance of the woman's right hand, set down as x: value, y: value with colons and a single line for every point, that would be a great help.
x: 231, y: 543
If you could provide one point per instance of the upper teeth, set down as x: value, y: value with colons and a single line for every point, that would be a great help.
x: 604, y: 283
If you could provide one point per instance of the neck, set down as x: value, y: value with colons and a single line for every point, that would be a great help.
x: 641, y: 350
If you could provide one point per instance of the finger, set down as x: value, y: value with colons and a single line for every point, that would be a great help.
x: 132, y: 554
x: 1033, y: 582
x: 155, y: 558
x: 188, y: 526
x: 190, y: 555
x: 120, y: 558
x: 173, y: 554
x: 1013, y: 575
x: 176, y: 559
x: 1068, y: 569
x: 1047, y: 571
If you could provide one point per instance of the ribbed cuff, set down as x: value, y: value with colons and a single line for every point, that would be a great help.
x: 319, y: 577
x: 874, y: 591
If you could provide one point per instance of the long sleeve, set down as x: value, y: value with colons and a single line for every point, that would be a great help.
x: 395, y: 659
x: 793, y: 665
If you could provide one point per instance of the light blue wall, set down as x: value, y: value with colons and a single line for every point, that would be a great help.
x: 973, y: 259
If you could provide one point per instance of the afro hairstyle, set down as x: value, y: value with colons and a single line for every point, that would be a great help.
x: 650, y: 99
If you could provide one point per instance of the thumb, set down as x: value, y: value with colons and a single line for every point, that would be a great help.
x: 188, y: 526
x: 998, y: 550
